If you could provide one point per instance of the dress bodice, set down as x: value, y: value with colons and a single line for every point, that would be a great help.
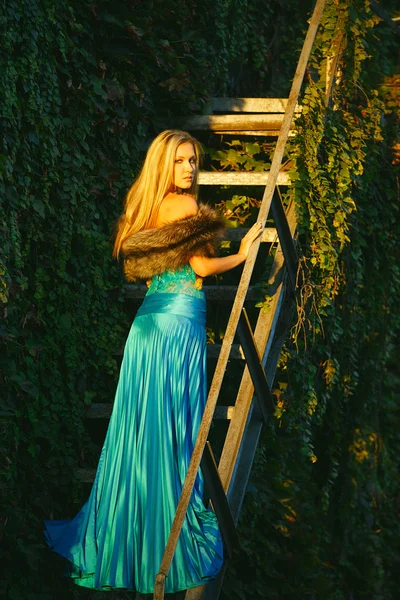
x: 179, y: 281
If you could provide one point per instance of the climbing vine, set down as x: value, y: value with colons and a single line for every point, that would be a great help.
x: 83, y: 89
x: 334, y: 390
x: 326, y: 477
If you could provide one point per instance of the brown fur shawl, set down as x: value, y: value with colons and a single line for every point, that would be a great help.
x: 151, y: 251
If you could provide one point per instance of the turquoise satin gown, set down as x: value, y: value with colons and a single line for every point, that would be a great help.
x: 118, y: 538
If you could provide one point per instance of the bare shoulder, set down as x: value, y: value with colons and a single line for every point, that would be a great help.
x: 177, y: 206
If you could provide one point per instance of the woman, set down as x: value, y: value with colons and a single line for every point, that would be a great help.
x: 118, y: 538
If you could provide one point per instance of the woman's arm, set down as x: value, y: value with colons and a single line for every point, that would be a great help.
x: 203, y: 266
x: 178, y: 206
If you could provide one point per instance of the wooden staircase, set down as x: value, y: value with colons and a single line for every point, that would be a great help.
x: 260, y: 349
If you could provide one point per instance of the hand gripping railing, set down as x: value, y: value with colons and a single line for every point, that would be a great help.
x: 236, y: 309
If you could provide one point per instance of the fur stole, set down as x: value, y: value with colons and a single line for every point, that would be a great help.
x: 151, y: 251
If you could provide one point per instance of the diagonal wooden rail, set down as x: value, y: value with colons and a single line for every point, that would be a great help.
x: 263, y: 335
x: 247, y: 420
x: 235, y: 315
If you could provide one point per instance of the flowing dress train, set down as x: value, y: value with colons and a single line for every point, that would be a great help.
x: 118, y: 538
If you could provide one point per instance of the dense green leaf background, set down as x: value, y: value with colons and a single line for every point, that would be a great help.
x: 84, y: 87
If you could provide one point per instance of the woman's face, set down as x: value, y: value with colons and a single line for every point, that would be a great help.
x: 185, y: 165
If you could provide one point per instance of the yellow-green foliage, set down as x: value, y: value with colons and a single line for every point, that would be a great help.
x: 320, y: 517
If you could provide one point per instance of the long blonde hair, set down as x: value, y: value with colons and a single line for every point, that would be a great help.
x: 153, y: 183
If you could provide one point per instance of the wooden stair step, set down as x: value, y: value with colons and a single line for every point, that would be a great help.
x: 241, y: 178
x: 234, y: 123
x: 213, y: 351
x: 235, y: 234
x: 254, y: 132
x: 224, y: 413
x: 212, y: 292
x: 103, y: 410
x: 236, y: 352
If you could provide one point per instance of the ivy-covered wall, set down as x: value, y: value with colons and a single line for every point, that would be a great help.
x: 83, y: 88
x: 321, y: 516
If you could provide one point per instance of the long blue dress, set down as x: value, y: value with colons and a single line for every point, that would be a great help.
x: 118, y: 538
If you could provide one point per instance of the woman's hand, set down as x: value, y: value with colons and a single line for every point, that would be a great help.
x: 213, y: 266
x: 249, y: 238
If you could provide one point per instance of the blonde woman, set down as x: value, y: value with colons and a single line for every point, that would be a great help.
x: 118, y: 538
